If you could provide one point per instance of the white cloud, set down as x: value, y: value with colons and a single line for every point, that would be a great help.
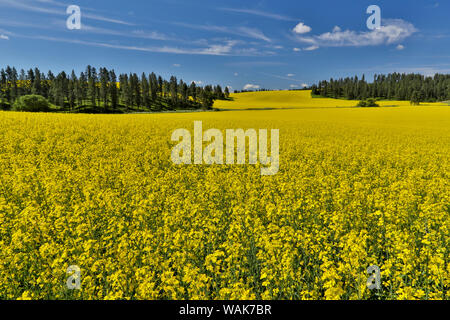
x: 251, y: 87
x: 236, y: 74
x: 290, y: 75
x: 400, y: 47
x: 392, y: 31
x: 303, y: 85
x: 219, y: 49
x: 302, y: 28
x: 4, y: 37
x: 297, y: 49
x: 177, y: 65
x: 311, y: 48
x: 199, y: 83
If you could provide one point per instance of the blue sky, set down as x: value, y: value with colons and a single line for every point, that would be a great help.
x: 254, y: 44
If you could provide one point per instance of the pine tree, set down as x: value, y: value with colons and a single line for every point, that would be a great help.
x: 37, y: 87
x: 137, y: 97
x: 72, y: 90
x: 173, y: 87
x: 153, y: 82
x: 113, y: 90
x: 104, y: 90
x: 14, y: 90
x: 193, y: 91
x: 92, y: 80
x: 130, y: 90
x: 184, y: 91
x: 227, y: 93
x: 145, y: 91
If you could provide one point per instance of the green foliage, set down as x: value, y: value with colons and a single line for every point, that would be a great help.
x: 416, y: 98
x: 368, y: 103
x: 394, y: 86
x: 5, y: 106
x: 31, y: 103
x: 102, y: 91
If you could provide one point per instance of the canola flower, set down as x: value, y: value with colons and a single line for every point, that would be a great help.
x: 295, y: 99
x: 356, y: 187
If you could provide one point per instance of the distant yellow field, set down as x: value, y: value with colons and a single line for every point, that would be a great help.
x: 293, y: 99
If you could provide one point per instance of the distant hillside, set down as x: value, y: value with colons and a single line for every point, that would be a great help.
x: 291, y: 99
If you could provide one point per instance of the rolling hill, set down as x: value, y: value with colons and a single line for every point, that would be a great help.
x: 292, y: 100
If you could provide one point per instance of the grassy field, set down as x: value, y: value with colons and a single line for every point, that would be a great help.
x: 294, y: 100
x: 356, y: 187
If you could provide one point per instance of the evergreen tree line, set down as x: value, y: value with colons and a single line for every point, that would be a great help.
x: 103, y: 90
x: 394, y: 86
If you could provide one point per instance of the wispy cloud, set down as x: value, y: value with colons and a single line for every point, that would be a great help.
x: 154, y: 35
x: 60, y: 23
x: 4, y: 37
x: 253, y: 33
x: 29, y: 6
x: 238, y: 31
x: 311, y: 48
x: 6, y: 33
x: 260, y: 13
x: 106, y: 19
x: 53, y: 2
x: 289, y: 77
x: 22, y: 24
x: 392, y: 31
x: 227, y: 48
x: 428, y: 71
x: 151, y: 35
x: 244, y: 64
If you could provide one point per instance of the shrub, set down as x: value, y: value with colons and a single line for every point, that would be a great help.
x: 368, y: 103
x: 31, y: 103
x: 362, y: 103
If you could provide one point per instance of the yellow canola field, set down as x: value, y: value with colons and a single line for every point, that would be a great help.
x: 356, y: 187
x: 294, y: 99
